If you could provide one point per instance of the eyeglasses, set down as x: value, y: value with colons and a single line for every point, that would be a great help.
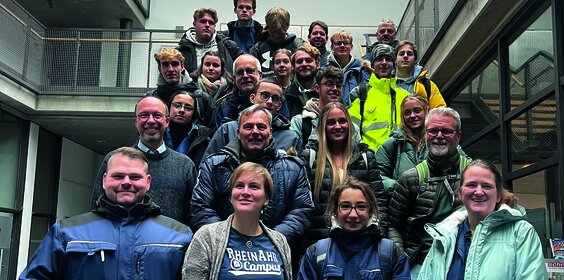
x: 341, y: 43
x: 249, y: 71
x: 166, y: 64
x: 346, y: 208
x: 331, y: 85
x: 145, y: 116
x: 179, y: 106
x: 446, y: 132
x: 275, y: 98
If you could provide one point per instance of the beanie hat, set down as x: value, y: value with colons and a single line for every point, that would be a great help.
x: 383, y: 50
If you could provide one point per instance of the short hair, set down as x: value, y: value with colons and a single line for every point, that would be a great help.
x: 405, y: 42
x: 169, y: 53
x: 251, y: 110
x: 277, y: 18
x: 309, y: 49
x: 257, y: 62
x: 199, y: 13
x: 329, y: 72
x: 195, y: 115
x: 341, y: 35
x: 155, y: 97
x: 447, y: 112
x: 506, y: 197
x: 355, y: 184
x: 386, y: 21
x: 235, y: 4
x: 268, y: 80
x: 130, y: 153
x: 319, y: 23
x: 256, y: 169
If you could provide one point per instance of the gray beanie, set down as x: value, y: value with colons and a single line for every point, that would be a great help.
x: 383, y: 50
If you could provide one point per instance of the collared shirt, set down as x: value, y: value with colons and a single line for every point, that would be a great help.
x: 161, y: 149
x: 304, y: 92
x: 463, y: 241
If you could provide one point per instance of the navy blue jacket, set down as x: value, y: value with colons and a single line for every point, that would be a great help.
x: 289, y: 207
x: 112, y: 243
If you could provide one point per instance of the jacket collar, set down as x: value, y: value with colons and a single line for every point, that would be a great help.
x: 114, y: 211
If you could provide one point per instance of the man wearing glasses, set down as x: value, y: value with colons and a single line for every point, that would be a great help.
x: 173, y: 174
x: 427, y: 192
x: 385, y: 34
x: 268, y: 94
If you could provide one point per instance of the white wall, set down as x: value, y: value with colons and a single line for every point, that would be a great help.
x: 79, y: 167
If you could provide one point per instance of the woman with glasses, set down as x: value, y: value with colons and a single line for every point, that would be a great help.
x: 183, y: 133
x: 355, y: 249
x: 333, y: 158
x: 241, y: 247
x: 283, y: 67
x: 488, y: 238
x: 212, y: 78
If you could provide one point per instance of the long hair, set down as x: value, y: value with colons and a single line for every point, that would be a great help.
x: 224, y: 74
x: 416, y: 139
x: 324, y: 153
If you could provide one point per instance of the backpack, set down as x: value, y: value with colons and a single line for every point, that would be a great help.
x: 385, y: 251
x: 362, y: 92
x: 427, y: 85
x: 306, y: 129
x: 425, y: 176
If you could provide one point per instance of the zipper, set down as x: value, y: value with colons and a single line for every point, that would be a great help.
x: 138, y: 267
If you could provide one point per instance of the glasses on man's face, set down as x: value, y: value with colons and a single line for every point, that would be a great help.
x: 276, y: 99
x: 179, y: 106
x: 249, y: 71
x: 145, y: 116
x: 166, y: 64
x: 445, y: 132
x: 331, y: 85
x: 341, y: 43
x: 346, y: 208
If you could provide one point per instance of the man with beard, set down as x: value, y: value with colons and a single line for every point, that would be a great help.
x: 244, y: 31
x: 268, y: 94
x: 385, y: 34
x: 202, y: 37
x: 305, y: 62
x: 378, y: 112
x: 173, y: 77
x: 317, y: 37
x: 427, y: 192
x: 291, y: 201
x: 173, y: 174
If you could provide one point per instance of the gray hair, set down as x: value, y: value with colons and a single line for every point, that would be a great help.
x: 386, y: 21
x: 447, y: 112
x: 252, y: 109
x: 257, y: 62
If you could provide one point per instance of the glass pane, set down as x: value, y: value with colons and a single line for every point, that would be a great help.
x: 45, y: 172
x: 39, y: 227
x: 5, y: 243
x: 489, y: 146
x: 534, y: 134
x: 9, y: 153
x: 531, y: 59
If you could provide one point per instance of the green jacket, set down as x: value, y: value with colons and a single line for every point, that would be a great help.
x: 504, y: 246
x: 382, y: 110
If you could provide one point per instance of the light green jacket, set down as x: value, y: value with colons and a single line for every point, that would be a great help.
x: 504, y: 246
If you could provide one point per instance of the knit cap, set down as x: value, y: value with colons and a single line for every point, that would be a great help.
x: 383, y: 50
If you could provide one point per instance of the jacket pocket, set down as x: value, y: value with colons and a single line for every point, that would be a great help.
x: 370, y: 274
x: 91, y: 259
x: 159, y: 260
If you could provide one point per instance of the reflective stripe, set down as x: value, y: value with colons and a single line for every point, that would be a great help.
x: 377, y: 125
x: 355, y: 120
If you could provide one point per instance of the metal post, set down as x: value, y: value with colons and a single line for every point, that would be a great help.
x: 124, y: 53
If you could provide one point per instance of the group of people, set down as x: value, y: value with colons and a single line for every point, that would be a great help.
x: 288, y: 160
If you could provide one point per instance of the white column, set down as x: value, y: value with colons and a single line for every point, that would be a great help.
x: 28, y: 197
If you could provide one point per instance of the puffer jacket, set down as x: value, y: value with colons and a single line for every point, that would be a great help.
x: 412, y: 206
x: 415, y: 85
x: 265, y: 48
x: 228, y: 50
x: 285, y: 138
x: 290, y: 204
x: 198, y: 137
x: 504, y: 246
x: 382, y: 110
x: 353, y: 75
x: 357, y: 168
x: 112, y: 243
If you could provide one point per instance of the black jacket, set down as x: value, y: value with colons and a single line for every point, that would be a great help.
x: 292, y: 94
x: 264, y: 49
x: 227, y: 49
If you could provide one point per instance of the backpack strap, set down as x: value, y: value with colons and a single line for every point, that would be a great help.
x: 365, y: 160
x: 306, y: 129
x: 321, y: 248
x: 385, y: 251
x: 422, y: 172
x: 362, y: 92
x: 427, y: 85
x: 312, y: 154
x: 464, y: 161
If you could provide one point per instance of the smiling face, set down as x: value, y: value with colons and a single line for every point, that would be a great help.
x: 305, y: 66
x: 151, y: 121
x: 478, y: 192
x: 246, y: 73
x: 268, y: 96
x: 318, y: 37
x: 350, y: 218
x: 383, y: 66
x: 126, y: 180
x: 248, y: 193
x: 211, y: 68
x: 405, y: 58
x: 254, y: 133
x: 336, y: 126
x: 413, y: 114
x: 341, y: 47
x: 205, y: 28
x: 329, y: 90
x: 182, y: 108
x: 438, y: 143
x: 282, y: 65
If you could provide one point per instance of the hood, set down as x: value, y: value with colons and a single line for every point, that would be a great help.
x: 280, y: 122
x: 353, y: 63
x: 311, y: 109
x: 416, y: 72
x: 184, y: 78
x: 189, y: 37
x: 115, y: 211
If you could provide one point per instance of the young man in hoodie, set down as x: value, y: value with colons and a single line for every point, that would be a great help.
x: 244, y: 31
x: 317, y: 37
x: 202, y: 37
x: 413, y: 78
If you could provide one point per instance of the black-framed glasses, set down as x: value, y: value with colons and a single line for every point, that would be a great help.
x: 346, y: 208
x: 166, y: 64
x: 249, y: 71
x: 445, y: 132
x: 145, y: 116
x: 331, y: 85
x: 341, y: 43
x: 265, y: 96
x: 179, y: 106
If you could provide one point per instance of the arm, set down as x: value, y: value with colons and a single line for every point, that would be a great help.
x: 190, y: 182
x: 97, y: 188
x: 197, y: 261
x: 45, y: 262
x: 375, y: 181
x: 307, y: 266
x: 399, y: 209
x: 203, y: 198
x: 529, y: 257
x: 296, y: 126
x: 436, y: 99
x: 386, y: 163
x: 400, y: 265
x: 220, y: 138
